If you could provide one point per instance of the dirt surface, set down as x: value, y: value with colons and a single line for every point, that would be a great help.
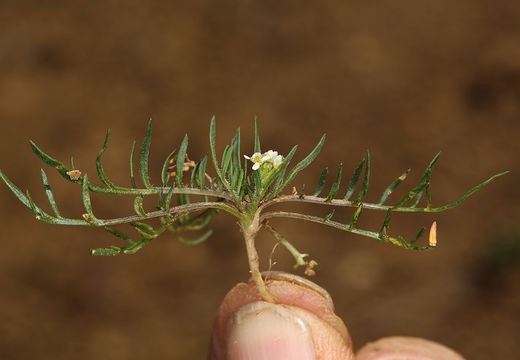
x: 403, y: 79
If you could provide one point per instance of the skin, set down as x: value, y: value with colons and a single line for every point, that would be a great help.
x: 310, y: 305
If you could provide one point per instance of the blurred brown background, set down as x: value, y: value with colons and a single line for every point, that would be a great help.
x: 404, y: 79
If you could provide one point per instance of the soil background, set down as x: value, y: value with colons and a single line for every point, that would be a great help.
x: 403, y: 79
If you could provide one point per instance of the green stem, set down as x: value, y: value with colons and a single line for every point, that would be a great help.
x: 298, y: 256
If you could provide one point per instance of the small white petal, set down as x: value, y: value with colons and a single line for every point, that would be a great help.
x: 277, y: 161
x: 256, y: 157
x: 247, y: 157
x: 256, y: 166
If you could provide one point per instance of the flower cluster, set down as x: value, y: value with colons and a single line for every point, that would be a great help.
x: 271, y: 157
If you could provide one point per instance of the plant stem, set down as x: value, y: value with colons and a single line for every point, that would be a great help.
x: 250, y: 231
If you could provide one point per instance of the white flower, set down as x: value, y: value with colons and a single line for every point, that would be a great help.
x: 256, y: 159
x: 270, y: 157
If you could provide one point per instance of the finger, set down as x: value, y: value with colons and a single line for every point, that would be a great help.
x: 300, y: 325
x: 409, y: 348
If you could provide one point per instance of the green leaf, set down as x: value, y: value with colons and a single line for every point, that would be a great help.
x: 62, y: 170
x: 425, y: 181
x: 15, y: 190
x: 72, y: 163
x: 388, y: 216
x: 194, y: 173
x: 353, y: 181
x: 181, y: 158
x: 132, y: 178
x: 329, y: 216
x: 143, y: 156
x: 240, y: 182
x: 43, y: 216
x: 144, y: 234
x: 143, y: 226
x: 364, y: 186
x: 257, y: 139
x: 32, y: 205
x: 201, y: 221
x: 119, y: 234
x: 416, y: 199
x: 305, y: 162
x: 392, y: 187
x: 161, y: 200
x: 132, y: 249
x: 202, y: 172
x: 85, y: 195
x: 164, y: 172
x: 49, y: 194
x: 427, y: 176
x: 182, y: 199
x: 258, y: 182
x: 335, y: 186
x: 428, y: 197
x: 419, y: 234
x: 355, y: 217
x: 169, y: 196
x: 236, y: 163
x: 236, y: 152
x: 145, y: 230
x: 113, y: 251
x: 226, y: 160
x: 49, y: 160
x: 138, y: 206
x: 470, y: 192
x: 321, y: 182
x: 196, y: 241
x: 214, y: 185
x: 101, y: 173
x: 244, y: 177
x: 212, y: 133
x: 250, y: 186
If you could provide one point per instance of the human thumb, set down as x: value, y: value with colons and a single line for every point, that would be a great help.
x: 301, y: 324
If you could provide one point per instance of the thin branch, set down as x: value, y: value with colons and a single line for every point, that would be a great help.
x: 156, y: 190
x: 347, y: 203
x: 341, y: 226
x: 186, y: 208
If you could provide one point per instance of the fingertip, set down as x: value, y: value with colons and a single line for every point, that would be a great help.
x: 409, y: 348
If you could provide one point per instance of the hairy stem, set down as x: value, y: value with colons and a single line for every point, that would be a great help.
x: 250, y: 232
